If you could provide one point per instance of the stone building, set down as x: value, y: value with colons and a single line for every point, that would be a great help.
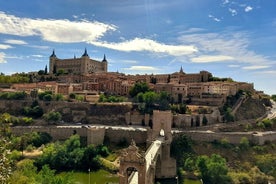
x: 83, y: 65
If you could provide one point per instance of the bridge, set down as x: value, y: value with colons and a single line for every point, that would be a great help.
x: 137, y: 167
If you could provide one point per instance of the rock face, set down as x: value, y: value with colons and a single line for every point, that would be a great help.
x: 252, y: 108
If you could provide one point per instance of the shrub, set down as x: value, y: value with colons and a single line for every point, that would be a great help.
x: 244, y: 144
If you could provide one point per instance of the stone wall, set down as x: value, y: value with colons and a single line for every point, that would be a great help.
x: 118, y: 134
x: 57, y: 132
x: 233, y: 137
x: 108, y: 114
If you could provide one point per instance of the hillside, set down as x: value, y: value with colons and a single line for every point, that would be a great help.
x: 251, y: 108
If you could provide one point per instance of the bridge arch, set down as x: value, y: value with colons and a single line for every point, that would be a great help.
x: 132, y: 165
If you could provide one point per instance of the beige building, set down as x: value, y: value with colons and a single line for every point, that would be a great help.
x: 83, y: 65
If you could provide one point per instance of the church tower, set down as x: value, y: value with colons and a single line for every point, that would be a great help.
x: 52, y: 62
x: 104, y: 63
x: 85, y: 62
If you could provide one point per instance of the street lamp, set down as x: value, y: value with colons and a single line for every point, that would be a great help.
x: 89, y: 175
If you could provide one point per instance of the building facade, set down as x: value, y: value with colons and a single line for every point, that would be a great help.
x: 79, y: 66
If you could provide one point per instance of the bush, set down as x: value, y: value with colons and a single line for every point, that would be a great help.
x: 244, y: 144
x: 52, y: 116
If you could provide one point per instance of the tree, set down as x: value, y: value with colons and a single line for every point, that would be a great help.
x: 140, y: 87
x: 213, y: 169
x: 5, y: 162
x: 273, y: 97
x: 41, y: 72
x: 52, y: 116
x: 46, y: 70
x: 204, y: 120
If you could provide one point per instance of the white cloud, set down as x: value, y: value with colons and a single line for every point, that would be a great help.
x: 214, y: 18
x: 4, y: 46
x: 193, y: 30
x: 62, y: 31
x: 140, y: 69
x: 2, y: 57
x: 233, y: 12
x: 16, y: 42
x: 225, y: 2
x: 248, y: 9
x: 273, y: 72
x: 254, y: 67
x: 139, y: 44
x: 129, y: 61
x: 37, y: 56
x: 209, y: 59
x: 232, y: 44
x: 233, y: 66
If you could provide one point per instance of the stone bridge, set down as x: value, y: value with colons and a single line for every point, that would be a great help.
x: 138, y: 167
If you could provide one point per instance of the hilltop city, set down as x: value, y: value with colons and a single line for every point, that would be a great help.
x: 176, y: 119
x: 89, y: 77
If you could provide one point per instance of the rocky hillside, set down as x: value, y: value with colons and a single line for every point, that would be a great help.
x: 252, y: 108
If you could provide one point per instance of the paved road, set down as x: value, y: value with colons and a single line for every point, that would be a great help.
x: 272, y: 113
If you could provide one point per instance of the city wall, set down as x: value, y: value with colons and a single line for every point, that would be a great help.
x: 96, y: 135
x: 258, y: 138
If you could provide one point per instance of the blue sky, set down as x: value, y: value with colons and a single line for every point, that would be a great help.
x: 225, y: 37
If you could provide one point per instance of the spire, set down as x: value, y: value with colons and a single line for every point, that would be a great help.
x: 74, y: 56
x: 181, y: 70
x: 53, y: 54
x: 85, y: 53
x: 104, y: 59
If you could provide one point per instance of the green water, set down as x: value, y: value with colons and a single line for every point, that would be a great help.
x: 99, y: 177
x: 187, y: 181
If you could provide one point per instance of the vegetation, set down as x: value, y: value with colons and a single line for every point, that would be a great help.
x: 140, y: 87
x: 71, y: 155
x: 13, y: 95
x: 52, y: 116
x: 222, y: 162
x: 111, y: 98
x: 16, y: 78
x: 34, y: 111
x: 26, y: 172
x: 273, y: 97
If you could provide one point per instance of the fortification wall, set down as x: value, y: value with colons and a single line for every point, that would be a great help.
x: 95, y: 135
x: 118, y: 135
x: 233, y: 137
x: 57, y: 132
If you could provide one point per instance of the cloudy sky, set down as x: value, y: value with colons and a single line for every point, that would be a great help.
x: 228, y: 38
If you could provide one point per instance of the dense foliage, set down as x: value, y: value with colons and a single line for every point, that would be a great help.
x: 140, y: 87
x: 111, y: 98
x: 273, y: 97
x: 16, y: 78
x: 13, y: 95
x: 217, y: 162
x: 34, y: 110
x: 71, y: 155
x: 27, y: 173
x: 213, y: 169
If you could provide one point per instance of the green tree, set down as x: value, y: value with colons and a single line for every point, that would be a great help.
x: 213, y: 169
x: 52, y: 116
x: 181, y: 147
x: 204, y: 120
x: 244, y: 144
x: 273, y: 97
x: 5, y: 162
x: 140, y: 87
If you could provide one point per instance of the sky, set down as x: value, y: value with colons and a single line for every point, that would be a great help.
x: 228, y: 38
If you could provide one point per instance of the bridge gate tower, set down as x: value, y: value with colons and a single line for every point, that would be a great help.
x: 161, y: 127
